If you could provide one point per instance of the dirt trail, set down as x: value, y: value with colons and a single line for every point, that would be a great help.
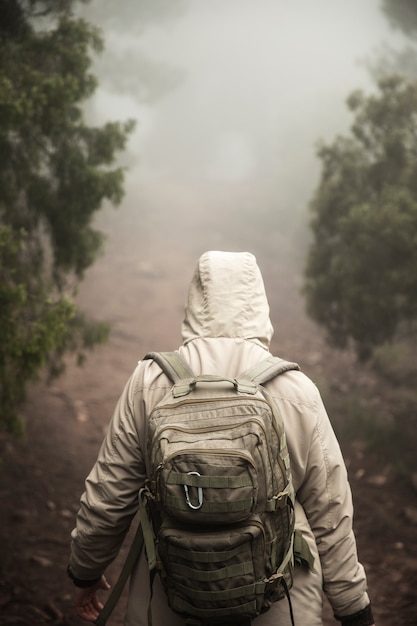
x: 140, y: 286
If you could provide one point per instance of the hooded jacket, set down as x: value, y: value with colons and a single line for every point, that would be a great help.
x: 226, y: 330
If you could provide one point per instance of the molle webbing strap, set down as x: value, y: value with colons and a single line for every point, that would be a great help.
x: 148, y: 533
x: 283, y: 498
x: 134, y: 553
x: 207, y: 557
x: 289, y: 557
x: 207, y: 482
x: 171, y: 364
x: 210, y: 507
x: 150, y: 547
x: 302, y: 552
x: 246, y: 591
x: 209, y: 575
x: 268, y: 369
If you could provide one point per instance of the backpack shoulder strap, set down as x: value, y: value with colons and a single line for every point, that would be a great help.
x: 268, y: 369
x: 172, y: 364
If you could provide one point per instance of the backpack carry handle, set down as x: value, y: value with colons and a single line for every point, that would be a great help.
x: 184, y: 387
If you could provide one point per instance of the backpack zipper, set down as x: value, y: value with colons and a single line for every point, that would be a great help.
x: 185, y: 451
x: 203, y: 429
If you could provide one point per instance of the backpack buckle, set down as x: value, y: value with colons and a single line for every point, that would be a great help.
x: 199, y: 494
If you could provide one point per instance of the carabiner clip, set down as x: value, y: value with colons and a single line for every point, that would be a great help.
x: 199, y: 494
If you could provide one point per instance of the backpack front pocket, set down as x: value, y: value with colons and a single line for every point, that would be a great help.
x: 211, y: 574
x: 208, y: 486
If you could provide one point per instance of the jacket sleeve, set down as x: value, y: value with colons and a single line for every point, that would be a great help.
x: 110, y: 500
x: 323, y: 490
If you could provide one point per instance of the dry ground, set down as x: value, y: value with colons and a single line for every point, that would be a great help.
x: 140, y: 286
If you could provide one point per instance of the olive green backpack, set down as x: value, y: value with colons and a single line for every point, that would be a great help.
x: 217, y: 509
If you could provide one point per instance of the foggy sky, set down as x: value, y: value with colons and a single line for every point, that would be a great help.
x: 238, y: 92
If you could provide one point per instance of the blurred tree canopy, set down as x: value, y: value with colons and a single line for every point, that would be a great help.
x: 119, y: 71
x: 135, y: 15
x: 55, y: 174
x: 402, y: 14
x: 361, y: 272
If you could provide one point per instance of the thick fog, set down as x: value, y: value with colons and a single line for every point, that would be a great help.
x: 231, y: 98
x: 234, y: 91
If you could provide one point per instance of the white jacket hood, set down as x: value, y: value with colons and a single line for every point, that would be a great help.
x: 227, y: 298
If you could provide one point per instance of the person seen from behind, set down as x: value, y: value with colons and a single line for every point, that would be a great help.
x: 226, y: 330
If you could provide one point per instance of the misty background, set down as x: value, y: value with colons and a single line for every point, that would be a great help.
x: 231, y: 98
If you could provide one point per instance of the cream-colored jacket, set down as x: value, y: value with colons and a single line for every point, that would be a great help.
x: 225, y: 331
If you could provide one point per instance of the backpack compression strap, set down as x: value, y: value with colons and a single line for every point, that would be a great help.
x: 261, y: 373
x: 268, y: 369
x: 172, y: 364
x: 132, y: 557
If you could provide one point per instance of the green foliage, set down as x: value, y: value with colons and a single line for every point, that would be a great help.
x: 56, y: 173
x: 119, y: 70
x: 137, y: 15
x: 402, y: 14
x: 390, y: 61
x: 361, y: 273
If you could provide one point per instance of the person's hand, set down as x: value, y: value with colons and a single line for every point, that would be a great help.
x: 87, y: 604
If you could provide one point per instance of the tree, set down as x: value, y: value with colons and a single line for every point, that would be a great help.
x: 388, y: 60
x: 401, y: 14
x: 56, y: 173
x: 119, y: 70
x: 361, y: 272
